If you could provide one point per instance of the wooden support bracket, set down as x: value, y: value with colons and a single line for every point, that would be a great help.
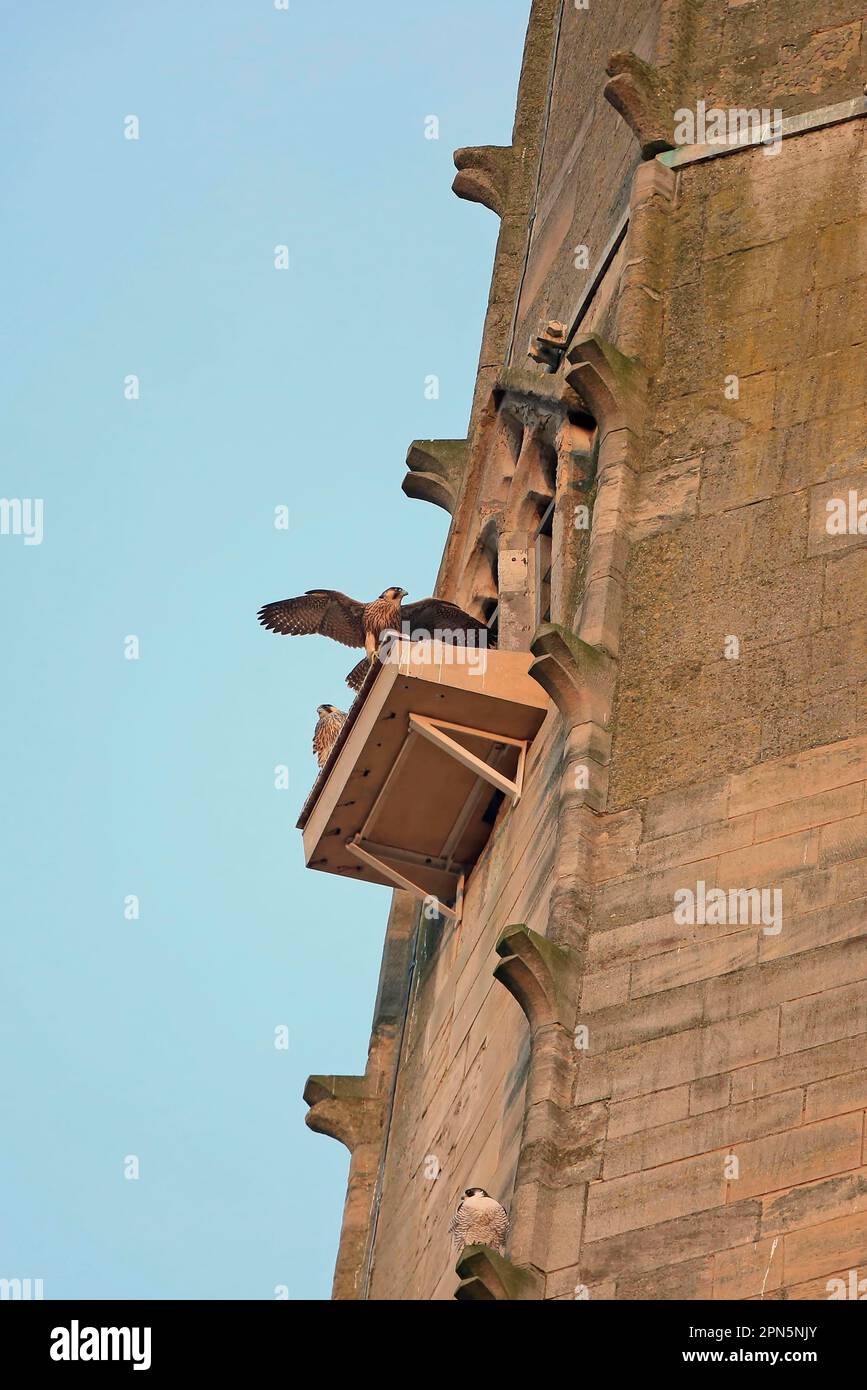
x: 433, y: 731
x: 375, y: 858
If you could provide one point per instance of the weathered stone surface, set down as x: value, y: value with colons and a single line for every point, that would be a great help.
x: 542, y: 977
x: 486, y: 1276
x: 436, y: 471
x: 484, y: 174
x: 645, y: 100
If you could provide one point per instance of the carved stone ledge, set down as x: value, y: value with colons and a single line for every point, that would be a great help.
x: 488, y: 1277
x: 579, y: 678
x: 540, y: 975
x: 483, y: 176
x: 521, y: 386
x: 436, y: 470
x: 548, y: 347
x: 653, y: 180
x: 612, y: 386
x: 644, y: 99
x: 343, y: 1108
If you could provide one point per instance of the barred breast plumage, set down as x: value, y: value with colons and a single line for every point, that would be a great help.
x: 381, y: 614
x: 479, y: 1220
x: 325, y: 734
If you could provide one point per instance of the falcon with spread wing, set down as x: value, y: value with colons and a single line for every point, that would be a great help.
x: 358, y: 624
x: 328, y: 726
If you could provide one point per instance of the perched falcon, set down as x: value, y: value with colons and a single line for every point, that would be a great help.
x: 479, y: 1220
x: 328, y: 726
x: 357, y: 624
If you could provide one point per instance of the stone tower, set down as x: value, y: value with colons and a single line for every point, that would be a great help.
x: 641, y: 1022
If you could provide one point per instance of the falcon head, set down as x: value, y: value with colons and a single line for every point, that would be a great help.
x: 395, y: 593
x: 326, y: 709
x: 476, y: 1192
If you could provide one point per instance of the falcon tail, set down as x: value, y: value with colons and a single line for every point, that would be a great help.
x: 355, y: 679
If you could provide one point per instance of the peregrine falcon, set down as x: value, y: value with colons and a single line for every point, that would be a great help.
x: 479, y: 1220
x: 358, y: 624
x: 328, y: 726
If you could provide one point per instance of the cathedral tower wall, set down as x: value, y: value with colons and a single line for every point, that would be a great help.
x: 665, y: 1084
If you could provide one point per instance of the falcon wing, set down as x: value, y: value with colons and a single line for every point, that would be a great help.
x: 457, y: 1230
x: 437, y: 615
x: 321, y: 742
x: 325, y: 611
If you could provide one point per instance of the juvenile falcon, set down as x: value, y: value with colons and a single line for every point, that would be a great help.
x: 357, y: 624
x: 329, y: 724
x: 479, y: 1220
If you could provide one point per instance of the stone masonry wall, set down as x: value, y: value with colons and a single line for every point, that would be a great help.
x: 708, y: 1042
x: 459, y: 1102
x: 713, y: 1043
x: 769, y: 282
x: 588, y: 161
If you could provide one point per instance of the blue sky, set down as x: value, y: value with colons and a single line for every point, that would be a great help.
x: 155, y: 777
